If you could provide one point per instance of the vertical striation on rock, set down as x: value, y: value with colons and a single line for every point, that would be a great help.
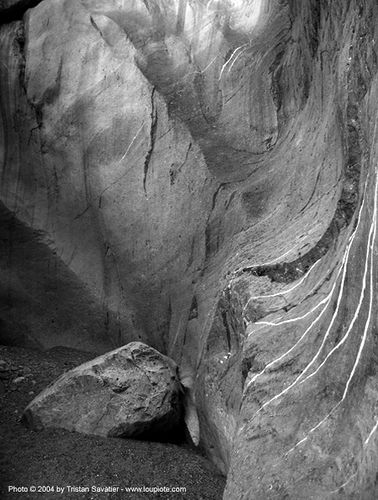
x: 202, y: 176
x: 308, y: 413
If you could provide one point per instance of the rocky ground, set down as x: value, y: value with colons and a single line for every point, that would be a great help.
x: 62, y: 458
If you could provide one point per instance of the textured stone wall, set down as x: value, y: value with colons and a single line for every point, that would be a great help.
x: 202, y: 176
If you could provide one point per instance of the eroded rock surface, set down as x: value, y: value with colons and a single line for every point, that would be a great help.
x: 202, y: 176
x: 130, y: 392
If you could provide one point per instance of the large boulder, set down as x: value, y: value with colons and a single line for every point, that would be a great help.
x: 132, y: 391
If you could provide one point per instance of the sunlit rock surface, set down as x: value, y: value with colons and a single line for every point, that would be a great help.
x: 202, y: 176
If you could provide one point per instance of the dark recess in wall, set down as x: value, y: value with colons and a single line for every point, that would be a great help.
x: 15, y: 11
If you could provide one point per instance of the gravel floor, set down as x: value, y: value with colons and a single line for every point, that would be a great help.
x: 58, y: 458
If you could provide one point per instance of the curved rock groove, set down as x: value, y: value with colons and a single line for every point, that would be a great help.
x: 201, y: 175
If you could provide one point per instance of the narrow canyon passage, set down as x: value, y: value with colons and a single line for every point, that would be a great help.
x: 202, y: 176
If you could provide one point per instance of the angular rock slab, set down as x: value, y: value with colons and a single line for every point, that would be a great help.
x: 132, y: 391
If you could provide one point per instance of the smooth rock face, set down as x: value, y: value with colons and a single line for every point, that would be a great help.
x: 131, y: 392
x: 202, y: 175
x: 109, y: 181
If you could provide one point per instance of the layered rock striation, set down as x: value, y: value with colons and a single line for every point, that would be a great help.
x: 202, y: 176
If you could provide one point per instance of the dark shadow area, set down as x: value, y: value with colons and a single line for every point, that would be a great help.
x: 14, y: 11
x: 42, y: 301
